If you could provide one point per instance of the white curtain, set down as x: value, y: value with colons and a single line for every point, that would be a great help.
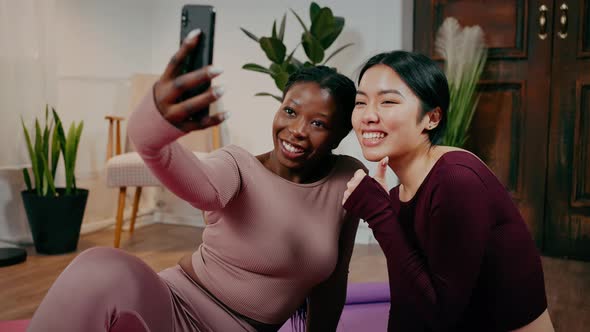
x: 27, y: 83
x: 27, y: 71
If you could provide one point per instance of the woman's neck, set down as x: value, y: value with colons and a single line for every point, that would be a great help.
x: 412, y: 168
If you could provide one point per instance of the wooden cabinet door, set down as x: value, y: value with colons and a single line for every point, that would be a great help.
x: 510, y: 127
x: 567, y: 227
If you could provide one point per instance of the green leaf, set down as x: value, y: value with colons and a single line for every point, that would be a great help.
x: 39, y: 153
x: 275, y: 68
x: 250, y: 34
x: 33, y: 157
x: 78, y: 136
x: 55, y: 150
x: 274, y: 48
x: 49, y: 179
x: 313, y: 48
x: 46, y: 140
x: 300, y: 21
x: 266, y: 94
x: 74, y: 157
x: 68, y: 156
x: 322, y: 24
x: 27, y: 179
x: 314, y: 9
x: 257, y: 68
x: 62, y: 143
x: 274, y: 30
x: 291, y: 68
x: 60, y: 132
x: 280, y: 75
x: 281, y: 35
x: 328, y: 39
x: 308, y: 64
x: 337, y: 51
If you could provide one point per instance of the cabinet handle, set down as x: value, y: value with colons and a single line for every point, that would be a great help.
x: 563, y: 21
x: 543, y: 22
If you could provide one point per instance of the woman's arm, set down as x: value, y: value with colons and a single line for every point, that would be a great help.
x: 161, y: 118
x: 207, y: 184
x: 327, y: 299
x: 437, y: 282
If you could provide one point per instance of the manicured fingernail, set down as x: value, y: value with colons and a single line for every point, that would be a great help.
x: 218, y: 91
x: 213, y: 71
x: 191, y: 35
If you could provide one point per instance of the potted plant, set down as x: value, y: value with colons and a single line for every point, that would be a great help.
x: 54, y: 214
x: 465, y: 53
x: 315, y: 39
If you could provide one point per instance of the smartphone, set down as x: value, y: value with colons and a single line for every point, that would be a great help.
x: 198, y: 17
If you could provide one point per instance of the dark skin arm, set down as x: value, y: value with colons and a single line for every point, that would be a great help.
x: 326, y: 300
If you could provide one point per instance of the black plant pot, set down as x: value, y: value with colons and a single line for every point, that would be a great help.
x: 55, y: 221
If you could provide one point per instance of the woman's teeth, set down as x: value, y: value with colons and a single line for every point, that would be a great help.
x: 291, y: 148
x: 373, y: 135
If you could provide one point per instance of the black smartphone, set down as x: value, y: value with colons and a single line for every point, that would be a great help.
x: 198, y: 17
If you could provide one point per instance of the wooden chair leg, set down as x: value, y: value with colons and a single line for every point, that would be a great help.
x: 120, y: 209
x: 135, y: 208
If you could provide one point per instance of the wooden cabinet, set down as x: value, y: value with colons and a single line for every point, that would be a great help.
x: 532, y: 125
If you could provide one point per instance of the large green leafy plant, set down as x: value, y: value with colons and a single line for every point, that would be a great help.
x: 465, y: 54
x: 315, y: 39
x: 44, y: 150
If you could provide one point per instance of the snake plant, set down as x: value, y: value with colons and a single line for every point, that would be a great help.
x: 45, y: 147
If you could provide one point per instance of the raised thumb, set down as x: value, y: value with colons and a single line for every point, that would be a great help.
x: 381, y: 170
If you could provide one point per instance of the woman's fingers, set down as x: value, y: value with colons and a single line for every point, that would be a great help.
x: 177, y: 59
x: 182, y: 111
x: 206, y: 122
x: 359, y: 175
x: 356, y: 179
x: 381, y: 171
x: 172, y: 85
x: 345, y: 197
x: 171, y: 90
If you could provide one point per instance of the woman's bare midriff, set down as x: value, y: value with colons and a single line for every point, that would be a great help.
x: 541, y: 324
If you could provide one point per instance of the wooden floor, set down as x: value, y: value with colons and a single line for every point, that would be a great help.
x: 23, y: 286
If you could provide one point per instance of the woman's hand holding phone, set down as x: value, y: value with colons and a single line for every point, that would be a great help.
x: 172, y: 84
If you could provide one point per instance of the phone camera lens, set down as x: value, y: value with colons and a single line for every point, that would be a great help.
x: 184, y: 19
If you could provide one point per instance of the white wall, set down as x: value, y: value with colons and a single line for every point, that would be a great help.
x: 101, y: 43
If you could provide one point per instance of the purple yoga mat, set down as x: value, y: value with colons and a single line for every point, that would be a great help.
x: 366, y: 309
x: 370, y: 292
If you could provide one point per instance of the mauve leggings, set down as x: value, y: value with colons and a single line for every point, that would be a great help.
x: 106, y: 289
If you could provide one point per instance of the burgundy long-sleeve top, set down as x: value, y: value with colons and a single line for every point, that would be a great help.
x: 459, y: 255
